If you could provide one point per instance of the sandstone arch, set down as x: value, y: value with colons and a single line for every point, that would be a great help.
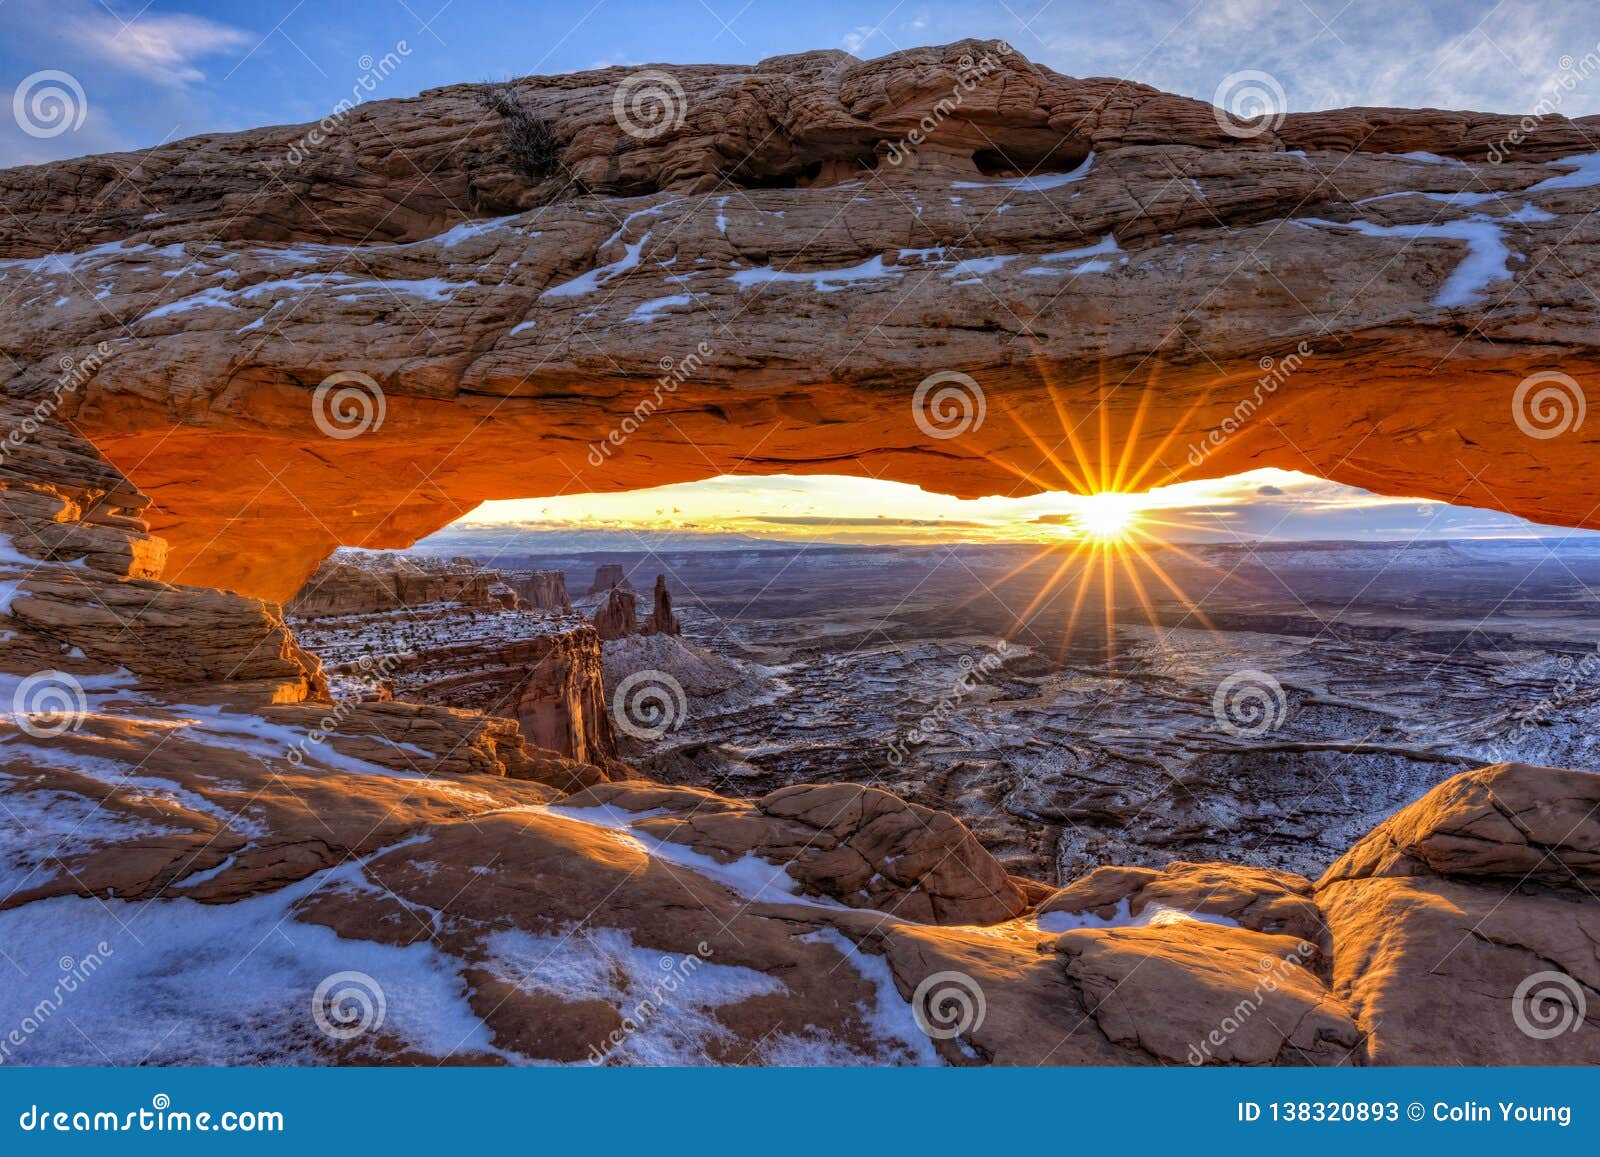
x: 1392, y: 282
x: 180, y: 309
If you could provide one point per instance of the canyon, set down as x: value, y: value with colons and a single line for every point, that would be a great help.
x: 201, y: 791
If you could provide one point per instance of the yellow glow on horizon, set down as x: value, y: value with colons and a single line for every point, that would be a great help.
x: 868, y: 510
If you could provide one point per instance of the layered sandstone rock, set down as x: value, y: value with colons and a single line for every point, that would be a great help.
x: 542, y: 670
x: 81, y: 578
x: 860, y: 846
x: 1356, y: 293
x: 352, y: 586
x: 539, y: 590
x: 1464, y: 928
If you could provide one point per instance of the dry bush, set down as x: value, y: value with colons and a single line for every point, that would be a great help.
x: 530, y: 139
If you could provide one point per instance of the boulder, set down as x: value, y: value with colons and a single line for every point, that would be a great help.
x: 1464, y: 927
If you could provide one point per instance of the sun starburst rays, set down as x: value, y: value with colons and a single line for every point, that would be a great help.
x: 1114, y: 536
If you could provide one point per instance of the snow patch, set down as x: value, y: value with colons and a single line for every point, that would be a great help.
x: 1033, y: 184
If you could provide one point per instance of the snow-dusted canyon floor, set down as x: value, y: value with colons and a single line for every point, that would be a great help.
x: 1375, y: 672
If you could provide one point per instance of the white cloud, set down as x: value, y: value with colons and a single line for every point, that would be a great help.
x: 158, y: 47
x: 854, y: 39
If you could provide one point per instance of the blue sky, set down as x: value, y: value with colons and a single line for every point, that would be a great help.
x: 166, y: 69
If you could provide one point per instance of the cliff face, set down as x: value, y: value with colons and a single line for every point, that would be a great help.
x: 561, y: 704
x: 1360, y: 294
x: 618, y: 616
x: 338, y: 587
x: 540, y: 669
x: 539, y: 590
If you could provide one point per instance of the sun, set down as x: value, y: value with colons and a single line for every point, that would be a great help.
x: 1108, y: 516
